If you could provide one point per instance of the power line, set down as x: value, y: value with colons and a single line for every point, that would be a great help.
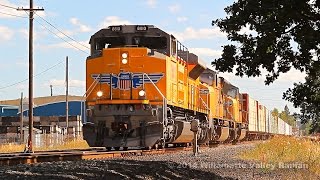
x: 62, y: 32
x: 61, y: 37
x: 19, y: 82
x: 48, y: 29
x: 13, y: 15
x: 8, y: 6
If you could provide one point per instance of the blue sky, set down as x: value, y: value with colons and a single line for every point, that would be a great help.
x: 189, y: 21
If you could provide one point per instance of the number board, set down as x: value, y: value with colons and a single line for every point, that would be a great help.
x: 142, y: 28
x: 115, y: 28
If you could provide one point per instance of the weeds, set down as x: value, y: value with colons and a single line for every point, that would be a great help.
x: 286, y: 151
x: 71, y: 143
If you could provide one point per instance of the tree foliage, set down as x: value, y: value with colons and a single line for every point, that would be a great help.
x: 284, y: 34
x: 307, y: 97
x: 287, y: 117
x: 275, y: 113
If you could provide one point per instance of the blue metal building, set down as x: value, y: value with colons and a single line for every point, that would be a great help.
x: 49, y: 106
x: 56, y: 109
x: 8, y: 110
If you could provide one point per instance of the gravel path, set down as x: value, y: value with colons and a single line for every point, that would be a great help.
x: 212, y: 163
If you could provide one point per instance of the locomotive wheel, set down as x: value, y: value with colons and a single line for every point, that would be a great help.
x: 116, y: 148
x: 125, y: 148
x: 160, y: 145
x: 213, y: 144
x: 108, y: 148
x: 148, y: 148
x: 156, y: 146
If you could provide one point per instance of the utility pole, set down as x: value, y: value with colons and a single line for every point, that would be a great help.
x: 21, y: 118
x: 51, y: 89
x: 67, y: 94
x: 31, y: 12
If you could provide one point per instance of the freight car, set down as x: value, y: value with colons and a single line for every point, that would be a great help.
x: 144, y: 88
x: 262, y: 125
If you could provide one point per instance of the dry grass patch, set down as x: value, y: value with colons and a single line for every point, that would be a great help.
x: 282, y: 150
x: 9, y: 148
x: 67, y: 144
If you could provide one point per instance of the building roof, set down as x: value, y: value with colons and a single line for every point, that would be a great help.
x: 38, y: 101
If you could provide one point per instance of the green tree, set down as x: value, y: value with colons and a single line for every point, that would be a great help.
x: 285, y: 34
x: 287, y: 117
x: 275, y: 113
x: 306, y: 128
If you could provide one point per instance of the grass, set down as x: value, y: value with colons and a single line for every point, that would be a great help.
x: 8, y: 148
x: 287, y: 150
x: 67, y: 144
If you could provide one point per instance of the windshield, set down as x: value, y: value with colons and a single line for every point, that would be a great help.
x: 110, y: 42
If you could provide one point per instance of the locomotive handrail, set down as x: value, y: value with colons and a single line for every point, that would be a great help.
x: 85, y: 94
x: 204, y: 103
x: 144, y: 74
x: 94, y: 82
x: 164, y: 109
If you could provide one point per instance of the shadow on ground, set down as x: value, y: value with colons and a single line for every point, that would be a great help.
x: 114, y: 169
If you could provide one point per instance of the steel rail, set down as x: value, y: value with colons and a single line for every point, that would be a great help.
x: 38, y: 157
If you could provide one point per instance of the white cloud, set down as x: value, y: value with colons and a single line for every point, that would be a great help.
x: 40, y: 13
x: 174, y: 8
x: 25, y: 33
x: 65, y: 32
x: 72, y: 83
x: 38, y: 33
x: 82, y: 27
x: 292, y: 76
x: 22, y: 86
x: 10, y: 10
x: 5, y: 33
x: 152, y: 3
x: 113, y: 20
x: 246, y: 30
x: 207, y: 52
x: 182, y: 19
x: 82, y: 45
x: 204, y: 33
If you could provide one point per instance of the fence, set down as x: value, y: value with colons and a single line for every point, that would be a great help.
x: 40, y: 140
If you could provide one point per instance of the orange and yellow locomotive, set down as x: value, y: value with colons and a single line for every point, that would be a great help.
x: 144, y: 88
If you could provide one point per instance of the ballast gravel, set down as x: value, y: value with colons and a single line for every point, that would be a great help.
x: 221, y: 162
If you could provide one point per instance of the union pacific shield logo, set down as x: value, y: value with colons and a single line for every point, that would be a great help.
x: 126, y: 80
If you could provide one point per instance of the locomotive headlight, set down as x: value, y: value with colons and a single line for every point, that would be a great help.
x: 99, y: 93
x: 124, y: 61
x: 142, y: 93
x: 124, y: 55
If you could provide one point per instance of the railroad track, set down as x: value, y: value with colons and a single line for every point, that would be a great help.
x: 87, y: 154
x: 74, y: 155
